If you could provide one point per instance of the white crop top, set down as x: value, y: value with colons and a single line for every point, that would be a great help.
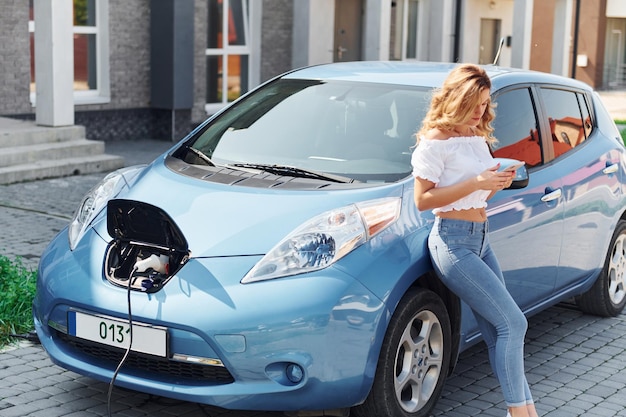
x: 449, y: 161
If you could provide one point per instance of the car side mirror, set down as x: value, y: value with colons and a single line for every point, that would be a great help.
x: 520, y: 180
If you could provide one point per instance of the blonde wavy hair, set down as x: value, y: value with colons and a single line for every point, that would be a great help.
x: 453, y: 103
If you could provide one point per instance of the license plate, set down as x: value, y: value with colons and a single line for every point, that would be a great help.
x: 113, y: 332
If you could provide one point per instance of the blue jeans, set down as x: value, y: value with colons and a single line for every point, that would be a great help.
x: 464, y: 261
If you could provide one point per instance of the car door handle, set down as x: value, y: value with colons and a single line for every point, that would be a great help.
x: 610, y: 169
x: 553, y: 195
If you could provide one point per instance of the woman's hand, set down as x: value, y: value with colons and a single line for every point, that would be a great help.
x: 494, y: 180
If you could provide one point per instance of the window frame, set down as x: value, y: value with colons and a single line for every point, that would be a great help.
x: 226, y: 50
x: 547, y: 139
x: 538, y: 112
x: 102, y: 94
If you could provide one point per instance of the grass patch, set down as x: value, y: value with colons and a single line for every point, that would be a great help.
x: 621, y: 125
x: 17, y: 290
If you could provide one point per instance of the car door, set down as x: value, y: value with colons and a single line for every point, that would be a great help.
x: 588, y: 165
x: 526, y: 225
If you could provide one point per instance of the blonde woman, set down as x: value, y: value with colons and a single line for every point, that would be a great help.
x: 455, y: 174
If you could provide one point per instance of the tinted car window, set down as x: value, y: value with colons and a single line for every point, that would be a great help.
x: 360, y: 131
x: 568, y: 128
x: 516, y: 127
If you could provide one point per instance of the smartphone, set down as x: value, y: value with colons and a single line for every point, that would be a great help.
x: 510, y: 164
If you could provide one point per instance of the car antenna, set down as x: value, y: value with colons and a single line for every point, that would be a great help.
x: 495, y: 60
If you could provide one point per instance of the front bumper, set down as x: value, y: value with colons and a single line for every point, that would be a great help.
x: 229, y: 345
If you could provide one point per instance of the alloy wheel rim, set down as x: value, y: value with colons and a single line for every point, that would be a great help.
x: 617, y: 271
x: 419, y: 360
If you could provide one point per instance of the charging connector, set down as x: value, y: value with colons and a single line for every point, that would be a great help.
x: 158, y: 263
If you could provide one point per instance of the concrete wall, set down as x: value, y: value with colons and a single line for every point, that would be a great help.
x: 616, y: 8
x: 14, y: 58
x: 376, y: 30
x: 473, y: 11
x: 313, y: 32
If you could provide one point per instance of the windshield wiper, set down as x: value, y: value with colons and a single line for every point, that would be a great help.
x: 201, y: 155
x: 294, y: 172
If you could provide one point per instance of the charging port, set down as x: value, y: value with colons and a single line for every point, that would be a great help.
x: 147, y: 248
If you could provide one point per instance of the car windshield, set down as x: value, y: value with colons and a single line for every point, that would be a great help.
x: 354, y: 130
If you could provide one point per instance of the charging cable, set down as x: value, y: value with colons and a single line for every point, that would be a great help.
x: 130, y: 342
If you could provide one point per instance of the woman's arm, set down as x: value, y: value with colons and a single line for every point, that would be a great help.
x: 428, y: 197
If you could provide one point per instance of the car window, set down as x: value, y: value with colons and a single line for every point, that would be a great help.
x: 569, y: 119
x: 516, y: 127
x: 362, y: 131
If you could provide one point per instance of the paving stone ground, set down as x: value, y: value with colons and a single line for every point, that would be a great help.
x: 574, y: 363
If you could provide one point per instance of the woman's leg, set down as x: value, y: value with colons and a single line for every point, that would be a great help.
x: 487, y: 330
x: 456, y: 248
x: 490, y: 335
x: 526, y: 411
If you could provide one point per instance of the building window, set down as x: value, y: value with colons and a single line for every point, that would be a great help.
x: 85, y: 34
x: 91, y: 57
x: 228, y: 51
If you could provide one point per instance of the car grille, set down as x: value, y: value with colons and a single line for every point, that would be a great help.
x: 162, y: 366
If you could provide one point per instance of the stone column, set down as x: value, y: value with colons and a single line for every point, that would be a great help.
x: 313, y: 22
x: 562, y: 37
x: 522, y: 28
x: 54, y: 62
x: 376, y: 30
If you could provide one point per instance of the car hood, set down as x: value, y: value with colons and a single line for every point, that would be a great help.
x: 228, y: 220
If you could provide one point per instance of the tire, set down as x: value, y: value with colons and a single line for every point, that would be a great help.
x: 607, y: 297
x: 414, y: 359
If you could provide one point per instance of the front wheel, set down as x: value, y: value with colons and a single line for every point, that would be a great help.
x: 607, y: 297
x: 414, y: 359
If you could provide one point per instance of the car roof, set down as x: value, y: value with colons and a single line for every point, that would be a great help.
x: 422, y: 74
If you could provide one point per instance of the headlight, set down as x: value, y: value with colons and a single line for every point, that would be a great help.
x: 94, y: 201
x: 325, y: 239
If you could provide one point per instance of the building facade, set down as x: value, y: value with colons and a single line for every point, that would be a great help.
x: 157, y: 68
x: 595, y: 40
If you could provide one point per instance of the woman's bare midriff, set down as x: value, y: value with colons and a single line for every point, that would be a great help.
x: 470, y: 215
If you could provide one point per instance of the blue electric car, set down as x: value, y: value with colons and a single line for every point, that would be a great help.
x: 274, y: 258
